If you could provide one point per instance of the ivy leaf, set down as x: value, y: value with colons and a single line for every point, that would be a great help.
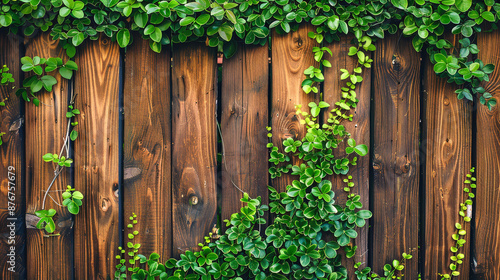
x: 123, y: 37
x: 225, y: 32
x: 361, y: 150
x: 463, y: 5
x: 73, y: 135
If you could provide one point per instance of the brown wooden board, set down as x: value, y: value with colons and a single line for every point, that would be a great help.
x: 448, y: 140
x: 291, y: 55
x: 13, y: 236
x: 147, y: 146
x: 194, y: 158
x: 48, y: 257
x: 96, y: 159
x: 396, y: 85
x: 244, y: 118
x: 360, y: 131
x: 486, y: 256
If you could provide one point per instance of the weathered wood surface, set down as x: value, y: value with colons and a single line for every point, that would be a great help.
x: 396, y: 85
x: 244, y: 117
x: 47, y: 257
x: 291, y: 55
x: 486, y: 253
x: 11, y: 154
x: 147, y: 147
x: 194, y: 159
x: 96, y: 159
x: 360, y: 131
x: 447, y: 132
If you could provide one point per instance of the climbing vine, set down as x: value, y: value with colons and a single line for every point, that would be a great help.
x: 294, y: 244
x: 221, y: 23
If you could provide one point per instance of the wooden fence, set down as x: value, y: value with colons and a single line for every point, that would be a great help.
x: 148, y: 144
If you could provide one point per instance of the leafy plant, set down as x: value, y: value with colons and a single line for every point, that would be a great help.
x: 41, y: 80
x: 459, y: 236
x: 46, y: 220
x: 222, y: 23
x: 5, y: 76
x: 72, y: 200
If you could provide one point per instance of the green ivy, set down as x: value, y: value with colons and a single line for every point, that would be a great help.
x: 293, y: 246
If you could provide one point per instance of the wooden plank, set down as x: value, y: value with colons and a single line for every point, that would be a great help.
x: 96, y: 159
x: 360, y: 131
x: 147, y: 146
x: 45, y: 131
x: 396, y: 153
x: 11, y: 154
x: 194, y: 164
x: 448, y: 140
x: 291, y: 55
x: 244, y: 118
x: 486, y: 264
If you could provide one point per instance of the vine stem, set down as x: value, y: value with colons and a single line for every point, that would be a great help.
x: 65, y: 145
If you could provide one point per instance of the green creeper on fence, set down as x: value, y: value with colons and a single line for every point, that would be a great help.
x: 294, y: 246
x: 221, y: 23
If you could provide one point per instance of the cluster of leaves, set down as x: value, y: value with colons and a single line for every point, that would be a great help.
x: 217, y: 22
x: 62, y: 161
x: 72, y: 200
x: 459, y: 69
x: 130, y: 253
x: 293, y: 246
x: 41, y: 79
x: 5, y: 76
x: 459, y: 236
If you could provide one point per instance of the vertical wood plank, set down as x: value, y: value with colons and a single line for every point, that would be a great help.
x: 291, y: 55
x: 147, y: 146
x: 486, y: 257
x: 96, y: 159
x: 194, y: 165
x: 448, y: 140
x: 47, y: 257
x: 360, y: 131
x: 396, y: 153
x: 13, y: 234
x: 244, y: 118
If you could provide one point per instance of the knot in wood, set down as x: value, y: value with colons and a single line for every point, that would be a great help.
x: 396, y: 62
x: 402, y: 165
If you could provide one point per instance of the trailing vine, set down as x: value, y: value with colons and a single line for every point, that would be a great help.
x: 459, y: 236
x: 221, y: 23
x: 293, y: 245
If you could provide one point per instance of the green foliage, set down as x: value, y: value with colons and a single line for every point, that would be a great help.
x: 1, y: 134
x: 46, y: 220
x: 459, y: 236
x: 292, y: 246
x: 221, y: 23
x: 62, y: 161
x: 128, y: 257
x: 72, y: 200
x: 5, y: 76
x: 40, y: 78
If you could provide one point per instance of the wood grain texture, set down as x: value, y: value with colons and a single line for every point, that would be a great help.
x: 194, y: 165
x: 448, y: 146
x: 486, y: 256
x: 396, y: 153
x: 360, y: 131
x: 47, y: 257
x: 244, y: 118
x: 147, y: 147
x: 96, y: 159
x: 11, y: 154
x: 291, y: 55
